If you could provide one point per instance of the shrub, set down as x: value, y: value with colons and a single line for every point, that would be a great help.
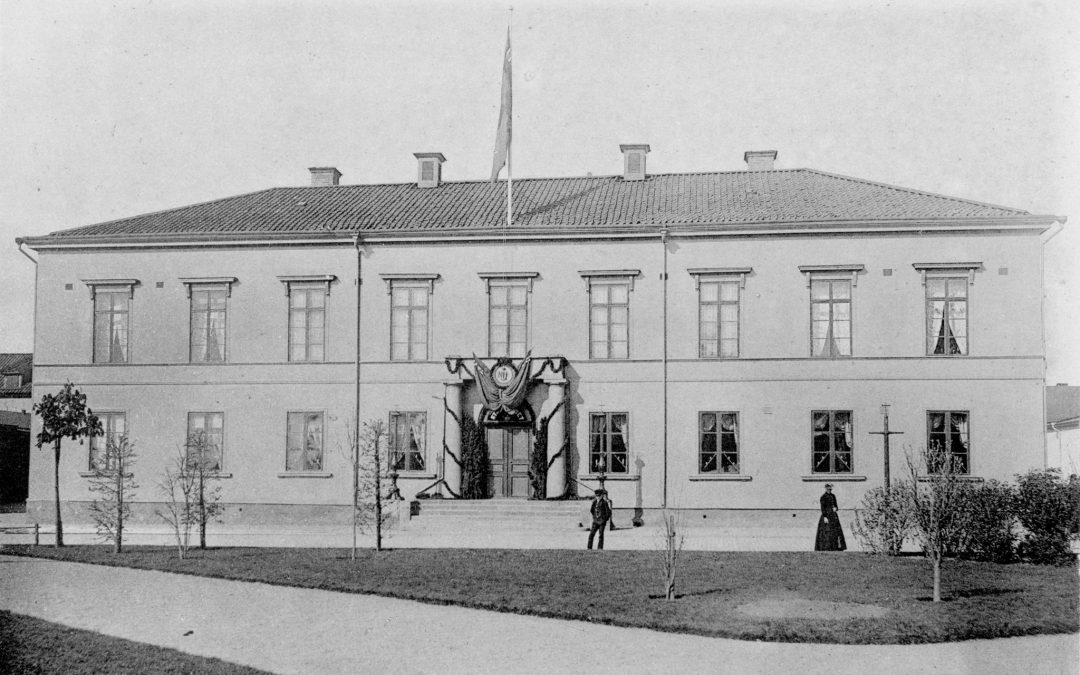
x: 883, y: 520
x: 475, y: 466
x: 1047, y: 507
x: 987, y: 517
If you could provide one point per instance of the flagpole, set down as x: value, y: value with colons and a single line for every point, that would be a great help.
x: 510, y: 133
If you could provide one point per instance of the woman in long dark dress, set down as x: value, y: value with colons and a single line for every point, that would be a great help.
x: 830, y: 535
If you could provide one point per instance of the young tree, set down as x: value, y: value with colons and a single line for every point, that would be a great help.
x: 64, y: 415
x: 370, y: 510
x: 177, y: 486
x: 203, y: 460
x: 934, y: 497
x: 674, y: 536
x: 114, y: 481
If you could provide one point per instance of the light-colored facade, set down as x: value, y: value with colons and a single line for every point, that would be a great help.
x: 732, y: 365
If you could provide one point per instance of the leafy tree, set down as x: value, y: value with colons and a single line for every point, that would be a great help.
x: 115, y: 483
x: 371, y: 510
x: 64, y: 415
x: 934, y: 501
x: 177, y: 486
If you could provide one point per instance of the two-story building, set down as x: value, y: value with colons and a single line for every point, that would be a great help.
x: 717, y: 341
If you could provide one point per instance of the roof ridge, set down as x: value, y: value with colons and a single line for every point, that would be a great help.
x: 924, y: 193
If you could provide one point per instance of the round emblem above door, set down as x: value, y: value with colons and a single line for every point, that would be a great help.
x: 503, y: 374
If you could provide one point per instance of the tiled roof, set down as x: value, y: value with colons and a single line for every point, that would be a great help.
x: 555, y: 204
x: 22, y: 364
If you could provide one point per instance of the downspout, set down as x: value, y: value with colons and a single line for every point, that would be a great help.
x: 1058, y: 226
x: 664, y: 323
x: 359, y: 258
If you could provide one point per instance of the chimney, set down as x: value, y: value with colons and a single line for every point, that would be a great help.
x: 759, y: 160
x: 429, y: 171
x: 634, y: 161
x: 324, y: 176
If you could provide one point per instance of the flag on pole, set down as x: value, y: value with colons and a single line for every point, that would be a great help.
x: 502, y: 135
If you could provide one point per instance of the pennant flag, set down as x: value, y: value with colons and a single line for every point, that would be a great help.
x: 502, y: 136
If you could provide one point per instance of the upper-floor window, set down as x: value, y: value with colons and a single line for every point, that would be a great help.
x: 508, y: 313
x: 304, y: 441
x: 307, y: 315
x: 718, y: 310
x: 948, y: 289
x: 833, y: 441
x: 209, y: 318
x: 947, y: 432
x: 408, y: 441
x: 830, y: 308
x: 112, y: 318
x: 609, y: 312
x: 114, y: 425
x: 609, y: 442
x: 718, y: 442
x: 206, y: 439
x: 410, y: 314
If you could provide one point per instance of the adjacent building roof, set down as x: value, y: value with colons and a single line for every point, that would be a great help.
x: 17, y: 364
x: 1062, y: 407
x: 800, y: 197
x: 19, y: 420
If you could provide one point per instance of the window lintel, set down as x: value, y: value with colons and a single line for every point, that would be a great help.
x: 419, y: 279
x: 609, y: 276
x: 129, y: 284
x: 714, y: 273
x: 948, y: 269
x: 523, y: 278
x: 832, y: 272
x: 227, y: 282
x: 324, y: 280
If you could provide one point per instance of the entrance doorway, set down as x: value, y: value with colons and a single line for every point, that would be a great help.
x: 508, y: 448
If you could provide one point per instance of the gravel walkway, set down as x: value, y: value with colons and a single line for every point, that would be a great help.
x: 291, y: 630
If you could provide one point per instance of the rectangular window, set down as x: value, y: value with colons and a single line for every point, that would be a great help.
x: 947, y: 316
x: 830, y: 318
x: 307, y: 321
x: 111, y: 314
x: 833, y: 439
x: 609, y: 320
x: 508, y: 318
x: 206, y: 439
x: 408, y: 435
x: 208, y: 317
x: 609, y: 443
x: 114, y: 425
x: 409, y: 302
x: 948, y: 430
x: 304, y: 442
x: 718, y: 318
x: 718, y: 442
x: 11, y: 381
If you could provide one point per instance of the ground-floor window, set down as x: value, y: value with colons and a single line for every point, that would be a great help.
x: 948, y: 431
x: 609, y: 442
x: 304, y: 442
x: 408, y: 432
x: 206, y: 439
x: 718, y: 442
x: 832, y: 441
x: 114, y: 425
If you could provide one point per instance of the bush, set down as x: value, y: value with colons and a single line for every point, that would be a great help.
x: 987, y: 517
x: 883, y: 520
x: 475, y: 466
x: 1047, y: 507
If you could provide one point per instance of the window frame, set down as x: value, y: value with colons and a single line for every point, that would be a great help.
x: 720, y: 276
x: 947, y: 271
x: 509, y: 280
x: 392, y: 440
x: 411, y: 281
x: 322, y: 439
x: 608, y: 436
x: 221, y: 448
x: 718, y: 446
x: 306, y: 284
x: 832, y: 433
x: 107, y: 419
x: 946, y: 431
x: 111, y: 287
x: 608, y: 279
x: 832, y: 273
x: 5, y: 384
x: 207, y: 285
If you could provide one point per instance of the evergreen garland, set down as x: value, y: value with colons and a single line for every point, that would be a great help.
x: 475, y: 467
x: 538, y: 463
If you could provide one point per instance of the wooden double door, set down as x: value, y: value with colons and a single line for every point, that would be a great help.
x: 508, y: 449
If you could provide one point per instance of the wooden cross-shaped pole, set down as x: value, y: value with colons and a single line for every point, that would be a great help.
x: 885, y: 433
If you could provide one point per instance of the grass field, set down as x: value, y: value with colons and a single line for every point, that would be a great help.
x: 982, y: 600
x: 29, y: 646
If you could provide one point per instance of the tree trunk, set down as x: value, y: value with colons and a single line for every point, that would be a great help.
x: 937, y: 576
x: 202, y: 510
x: 118, y: 542
x: 378, y: 498
x: 56, y: 484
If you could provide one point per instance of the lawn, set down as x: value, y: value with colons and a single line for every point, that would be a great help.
x: 29, y: 645
x: 718, y: 591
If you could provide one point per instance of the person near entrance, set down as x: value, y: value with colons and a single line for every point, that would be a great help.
x: 601, y: 514
x: 830, y: 535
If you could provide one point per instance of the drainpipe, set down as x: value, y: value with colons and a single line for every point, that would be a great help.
x: 663, y: 243
x: 1045, y: 238
x: 359, y: 258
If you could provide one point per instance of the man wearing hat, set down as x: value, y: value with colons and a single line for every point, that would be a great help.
x: 830, y: 535
x: 601, y: 514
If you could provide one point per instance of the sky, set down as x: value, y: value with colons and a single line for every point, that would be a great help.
x: 112, y: 109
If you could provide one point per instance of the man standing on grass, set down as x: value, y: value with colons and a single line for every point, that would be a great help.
x: 601, y: 514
